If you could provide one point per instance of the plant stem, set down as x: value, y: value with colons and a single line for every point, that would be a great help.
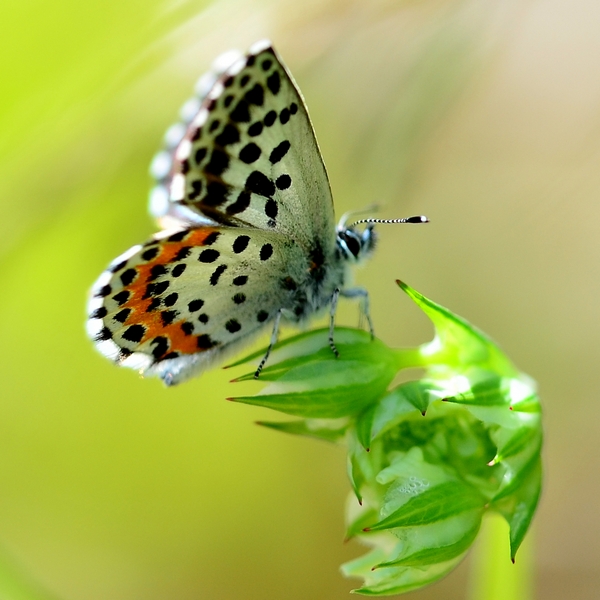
x: 493, y: 576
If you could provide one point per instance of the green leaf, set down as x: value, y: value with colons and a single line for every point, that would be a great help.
x: 392, y: 409
x: 519, y: 507
x: 364, y: 426
x: 357, y: 526
x: 435, y: 504
x: 400, y: 580
x: 331, y: 403
x: 321, y: 430
x: 319, y: 385
x: 433, y: 555
x: 458, y: 342
x: 522, y: 439
x: 494, y: 391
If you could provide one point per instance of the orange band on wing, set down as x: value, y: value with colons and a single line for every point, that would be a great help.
x: 151, y: 320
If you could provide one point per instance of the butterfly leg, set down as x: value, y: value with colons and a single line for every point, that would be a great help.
x: 334, y: 301
x: 273, y: 341
x: 364, y: 305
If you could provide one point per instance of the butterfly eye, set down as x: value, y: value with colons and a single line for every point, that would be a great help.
x: 350, y: 243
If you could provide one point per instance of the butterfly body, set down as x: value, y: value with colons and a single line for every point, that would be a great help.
x: 248, y: 236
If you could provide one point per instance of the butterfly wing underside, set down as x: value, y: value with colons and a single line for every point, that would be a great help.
x: 171, y: 306
x: 249, y: 156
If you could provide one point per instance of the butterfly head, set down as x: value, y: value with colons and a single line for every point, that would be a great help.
x: 353, y: 244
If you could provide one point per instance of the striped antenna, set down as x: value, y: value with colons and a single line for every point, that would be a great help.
x: 417, y: 219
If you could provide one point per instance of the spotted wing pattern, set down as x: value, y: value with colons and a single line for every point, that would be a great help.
x: 170, y: 306
x: 249, y: 157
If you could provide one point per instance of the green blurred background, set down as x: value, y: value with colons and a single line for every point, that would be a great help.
x: 485, y: 116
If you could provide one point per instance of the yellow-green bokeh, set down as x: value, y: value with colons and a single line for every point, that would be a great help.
x: 484, y: 116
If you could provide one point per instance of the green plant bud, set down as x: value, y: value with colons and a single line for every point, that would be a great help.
x: 309, y: 381
x: 426, y: 458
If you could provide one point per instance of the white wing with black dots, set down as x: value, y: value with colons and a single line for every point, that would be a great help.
x: 173, y: 305
x: 248, y: 157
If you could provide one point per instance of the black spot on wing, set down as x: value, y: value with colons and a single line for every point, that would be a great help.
x: 155, y: 289
x: 283, y: 182
x: 266, y: 252
x: 284, y: 116
x: 181, y: 254
x: 209, y: 256
x: 187, y: 328
x: 116, y: 268
x: 271, y: 208
x: 279, y: 152
x: 99, y: 313
x: 250, y: 153
x: 150, y: 254
x: 255, y: 129
x: 211, y: 238
x: 157, y: 271
x: 178, y: 270
x: 270, y: 118
x: 240, y: 205
x: 240, y: 243
x: 216, y: 194
x: 196, y: 185
x: 199, y: 155
x: 274, y: 82
x: 154, y: 304
x: 256, y: 95
x: 104, y: 334
x: 122, y: 315
x: 214, y: 278
x: 219, y: 161
x: 121, y: 297
x: 229, y: 135
x: 171, y: 299
x: 128, y: 276
x: 205, y: 342
x: 195, y: 305
x: 168, y: 316
x: 179, y: 236
x: 134, y: 333
x: 241, y: 112
x: 260, y: 184
x: 104, y: 291
x: 161, y: 345
x: 233, y: 326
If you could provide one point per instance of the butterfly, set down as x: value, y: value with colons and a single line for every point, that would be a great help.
x: 248, y: 233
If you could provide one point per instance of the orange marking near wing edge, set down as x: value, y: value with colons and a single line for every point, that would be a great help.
x: 178, y: 340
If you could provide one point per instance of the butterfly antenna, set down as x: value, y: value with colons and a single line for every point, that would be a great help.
x: 369, y: 209
x: 417, y: 219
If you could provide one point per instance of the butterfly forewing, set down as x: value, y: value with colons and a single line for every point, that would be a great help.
x: 192, y: 292
x: 250, y: 157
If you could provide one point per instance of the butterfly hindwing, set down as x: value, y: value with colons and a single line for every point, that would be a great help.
x: 249, y: 156
x: 168, y: 306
